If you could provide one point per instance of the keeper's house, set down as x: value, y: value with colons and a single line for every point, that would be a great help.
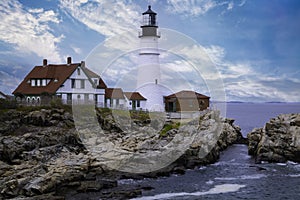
x: 71, y: 82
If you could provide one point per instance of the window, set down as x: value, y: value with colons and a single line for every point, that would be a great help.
x: 95, y: 81
x: 117, y: 102
x: 44, y: 82
x: 191, y: 103
x: 69, y: 96
x: 138, y: 103
x: 86, y: 97
x: 82, y: 84
x: 38, y: 82
x: 73, y: 83
x: 33, y: 82
x: 78, y: 71
x: 78, y: 96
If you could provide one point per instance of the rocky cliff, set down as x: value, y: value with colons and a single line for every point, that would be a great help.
x: 277, y: 141
x: 43, y: 157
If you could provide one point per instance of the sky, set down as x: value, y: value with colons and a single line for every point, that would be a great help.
x: 254, y: 45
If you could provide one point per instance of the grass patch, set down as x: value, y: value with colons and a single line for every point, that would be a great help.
x: 168, y: 127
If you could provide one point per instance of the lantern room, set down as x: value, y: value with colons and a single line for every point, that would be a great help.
x: 149, y: 18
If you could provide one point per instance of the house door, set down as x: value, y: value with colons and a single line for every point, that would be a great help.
x: 133, y: 105
x: 172, y: 107
x: 69, y: 98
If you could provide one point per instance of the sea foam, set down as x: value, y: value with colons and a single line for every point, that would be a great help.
x: 218, y: 189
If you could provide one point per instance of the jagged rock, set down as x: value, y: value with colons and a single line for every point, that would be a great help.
x: 277, y: 141
x: 42, y: 155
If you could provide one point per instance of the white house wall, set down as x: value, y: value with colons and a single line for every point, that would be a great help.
x: 112, y: 103
x: 128, y: 105
x: 79, y: 93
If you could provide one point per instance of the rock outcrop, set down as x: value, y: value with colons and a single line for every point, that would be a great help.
x: 42, y: 156
x: 277, y: 141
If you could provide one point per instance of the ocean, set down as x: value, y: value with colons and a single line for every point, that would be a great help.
x: 235, y: 175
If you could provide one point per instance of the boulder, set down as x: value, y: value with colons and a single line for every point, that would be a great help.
x: 277, y: 141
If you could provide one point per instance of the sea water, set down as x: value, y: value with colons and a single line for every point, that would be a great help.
x: 235, y: 175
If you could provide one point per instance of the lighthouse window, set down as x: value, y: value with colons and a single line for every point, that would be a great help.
x: 152, y: 19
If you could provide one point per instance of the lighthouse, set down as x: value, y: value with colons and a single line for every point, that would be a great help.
x: 148, y: 79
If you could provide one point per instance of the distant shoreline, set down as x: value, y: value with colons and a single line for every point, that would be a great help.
x: 251, y: 102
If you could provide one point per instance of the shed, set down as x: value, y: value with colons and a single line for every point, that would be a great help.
x: 186, y: 100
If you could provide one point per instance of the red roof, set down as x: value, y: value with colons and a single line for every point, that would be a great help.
x: 187, y: 94
x: 134, y: 96
x: 114, y: 93
x: 56, y: 73
x: 101, y: 84
x: 90, y: 73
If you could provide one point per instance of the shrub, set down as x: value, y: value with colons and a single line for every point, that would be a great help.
x: 8, y: 104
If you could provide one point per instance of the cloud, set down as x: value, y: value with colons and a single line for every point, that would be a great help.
x: 216, y: 53
x: 29, y: 30
x: 244, y: 81
x: 77, y: 50
x: 230, y: 6
x: 8, y: 82
x: 243, y: 2
x: 190, y: 8
x: 106, y: 17
x: 276, y: 89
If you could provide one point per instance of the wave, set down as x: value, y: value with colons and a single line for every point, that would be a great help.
x: 218, y: 189
x: 244, y: 177
x: 294, y: 175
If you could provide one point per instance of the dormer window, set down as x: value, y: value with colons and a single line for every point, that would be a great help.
x: 39, y: 82
x: 55, y: 80
x: 44, y: 82
x: 32, y: 82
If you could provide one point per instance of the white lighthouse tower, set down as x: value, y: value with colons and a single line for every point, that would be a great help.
x: 148, y: 80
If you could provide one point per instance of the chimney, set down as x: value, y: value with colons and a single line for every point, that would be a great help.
x: 69, y: 60
x: 45, y: 62
x: 82, y: 64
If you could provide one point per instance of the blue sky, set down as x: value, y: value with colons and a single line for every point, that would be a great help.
x: 254, y: 44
